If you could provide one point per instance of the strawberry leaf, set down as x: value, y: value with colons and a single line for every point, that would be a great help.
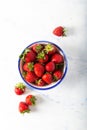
x: 20, y: 85
x: 26, y: 111
x: 24, y: 74
x: 31, y: 66
x: 64, y: 32
x: 48, y: 48
x: 39, y: 47
x: 33, y: 100
x: 41, y: 55
x: 55, y: 78
x: 22, y: 56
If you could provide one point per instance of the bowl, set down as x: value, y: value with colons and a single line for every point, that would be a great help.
x: 46, y: 86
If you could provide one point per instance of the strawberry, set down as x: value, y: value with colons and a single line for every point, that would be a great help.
x: 57, y: 58
x: 30, y: 100
x: 50, y: 66
x: 59, y: 31
x: 47, y: 77
x: 40, y: 82
x: 37, y: 48
x: 29, y: 66
x: 50, y: 49
x: 31, y: 77
x: 39, y: 69
x: 28, y: 55
x: 19, y: 88
x: 57, y: 75
x: 42, y: 57
x: 23, y: 107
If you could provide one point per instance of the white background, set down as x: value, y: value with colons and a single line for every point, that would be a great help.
x: 23, y: 22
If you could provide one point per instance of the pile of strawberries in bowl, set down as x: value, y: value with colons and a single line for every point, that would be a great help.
x: 42, y: 65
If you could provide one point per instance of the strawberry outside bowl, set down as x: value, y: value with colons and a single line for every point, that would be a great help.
x: 48, y: 77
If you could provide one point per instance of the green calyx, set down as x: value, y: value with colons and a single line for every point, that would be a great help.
x: 25, y: 111
x: 64, y: 31
x: 59, y: 66
x: 41, y: 55
x: 20, y: 85
x: 48, y: 47
x: 55, y: 78
x: 38, y: 48
x: 24, y: 74
x: 22, y: 56
x: 33, y: 100
x: 38, y: 81
x: 31, y: 66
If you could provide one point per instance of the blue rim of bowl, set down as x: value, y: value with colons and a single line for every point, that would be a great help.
x: 56, y: 84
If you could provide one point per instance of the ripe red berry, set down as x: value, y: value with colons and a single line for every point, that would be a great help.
x: 30, y: 100
x: 28, y: 55
x: 39, y: 69
x: 29, y: 66
x: 19, y: 88
x: 57, y: 58
x: 23, y: 107
x: 50, y: 49
x: 57, y: 74
x: 59, y: 31
x: 31, y: 77
x: 47, y: 78
x: 50, y: 66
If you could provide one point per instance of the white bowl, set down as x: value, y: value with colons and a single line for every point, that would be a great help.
x: 53, y: 84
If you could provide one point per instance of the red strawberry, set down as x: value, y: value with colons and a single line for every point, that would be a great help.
x: 31, y: 77
x: 30, y: 100
x: 39, y: 69
x: 59, y: 31
x: 57, y: 75
x: 50, y: 66
x: 28, y: 55
x: 23, y: 107
x: 47, y: 77
x: 37, y: 47
x: 57, y: 58
x: 40, y: 82
x: 42, y: 57
x: 20, y: 88
x: 28, y: 66
x: 50, y: 49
